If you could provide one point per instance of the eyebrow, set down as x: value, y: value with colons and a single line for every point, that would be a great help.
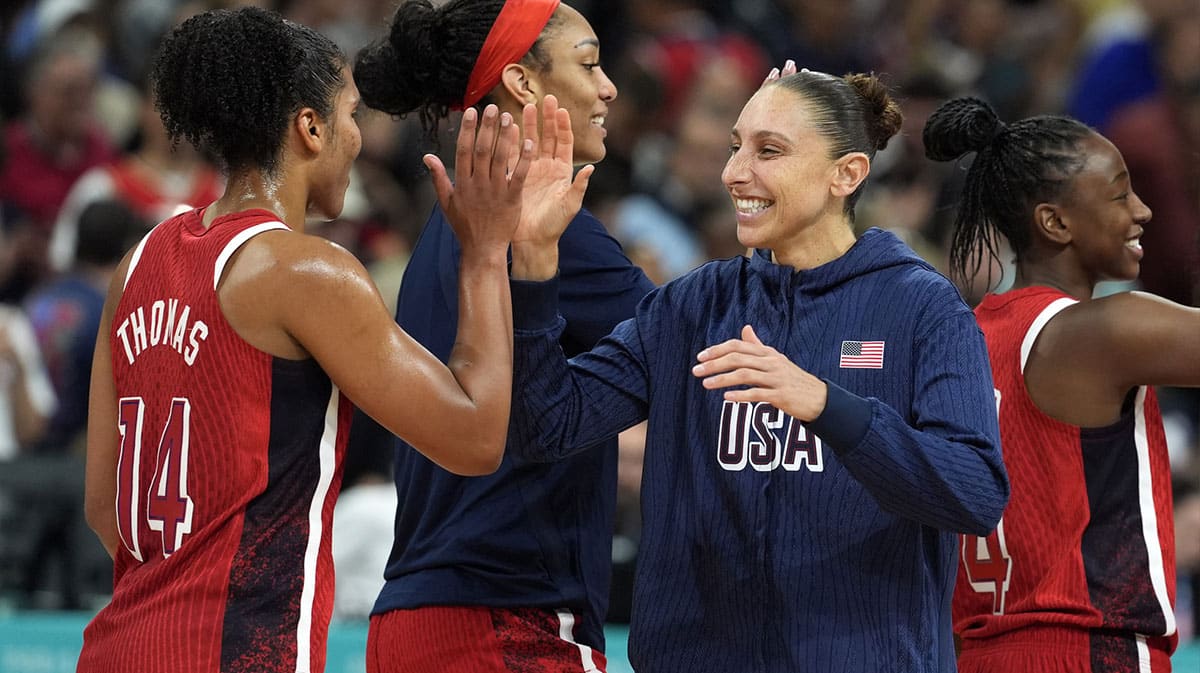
x: 1118, y: 176
x: 762, y: 136
x: 590, y: 42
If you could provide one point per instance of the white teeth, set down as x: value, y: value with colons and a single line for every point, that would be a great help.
x: 598, y: 120
x: 751, y: 205
x: 1134, y: 244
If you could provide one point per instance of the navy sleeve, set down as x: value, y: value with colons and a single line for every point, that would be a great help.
x: 560, y: 407
x: 944, y: 469
x: 598, y: 285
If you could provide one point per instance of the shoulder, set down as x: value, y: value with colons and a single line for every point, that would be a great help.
x: 294, y: 257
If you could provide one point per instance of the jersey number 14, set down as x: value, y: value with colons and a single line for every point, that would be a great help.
x: 167, y: 508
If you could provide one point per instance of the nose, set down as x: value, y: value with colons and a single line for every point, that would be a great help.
x: 608, y: 90
x: 1141, y: 212
x: 735, y: 172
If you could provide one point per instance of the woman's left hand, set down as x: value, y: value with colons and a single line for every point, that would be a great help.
x: 769, y: 375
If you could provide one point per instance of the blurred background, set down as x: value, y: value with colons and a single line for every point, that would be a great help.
x: 86, y: 169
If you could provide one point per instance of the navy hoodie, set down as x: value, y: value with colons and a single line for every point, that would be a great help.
x: 769, y: 544
x: 531, y: 534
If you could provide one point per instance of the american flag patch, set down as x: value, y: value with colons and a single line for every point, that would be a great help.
x: 861, y: 355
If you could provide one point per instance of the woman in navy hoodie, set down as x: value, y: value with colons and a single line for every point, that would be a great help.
x: 821, y: 415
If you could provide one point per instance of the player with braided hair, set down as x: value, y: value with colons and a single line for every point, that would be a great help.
x: 1079, y: 577
x: 232, y: 344
x: 801, y: 501
x: 512, y: 569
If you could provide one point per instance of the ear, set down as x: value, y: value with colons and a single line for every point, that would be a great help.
x: 310, y: 129
x: 519, y: 84
x: 849, y: 171
x: 1048, y: 223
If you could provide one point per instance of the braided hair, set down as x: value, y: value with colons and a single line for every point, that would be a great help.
x: 424, y: 62
x: 228, y: 81
x: 855, y: 113
x: 1016, y: 167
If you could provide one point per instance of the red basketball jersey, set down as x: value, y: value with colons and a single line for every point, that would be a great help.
x: 229, y: 466
x: 1087, y: 540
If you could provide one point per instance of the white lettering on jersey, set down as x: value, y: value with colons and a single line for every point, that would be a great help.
x: 748, y: 437
x: 168, y: 326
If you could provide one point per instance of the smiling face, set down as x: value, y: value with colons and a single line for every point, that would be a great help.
x: 577, y: 80
x: 779, y: 172
x: 1104, y: 215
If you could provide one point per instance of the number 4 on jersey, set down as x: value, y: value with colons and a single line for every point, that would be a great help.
x: 988, y: 565
x: 168, y: 508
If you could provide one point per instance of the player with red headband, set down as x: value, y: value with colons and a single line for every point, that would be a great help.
x: 511, y: 571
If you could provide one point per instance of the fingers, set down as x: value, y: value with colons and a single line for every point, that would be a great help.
x: 516, y: 178
x: 529, y: 131
x: 441, y: 181
x: 789, y: 68
x: 729, y: 362
x: 466, y: 142
x: 507, y: 147
x: 485, y: 142
x: 749, y: 335
x: 580, y: 185
x: 565, y: 148
x: 550, y: 127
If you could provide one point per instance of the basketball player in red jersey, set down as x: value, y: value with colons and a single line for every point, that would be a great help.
x: 1079, y: 577
x: 217, y: 420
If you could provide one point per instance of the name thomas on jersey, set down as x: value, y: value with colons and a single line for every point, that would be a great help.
x: 167, y: 326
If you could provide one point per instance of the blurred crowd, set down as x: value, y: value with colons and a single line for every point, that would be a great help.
x: 86, y: 169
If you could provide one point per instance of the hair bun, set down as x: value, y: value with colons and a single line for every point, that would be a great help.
x: 883, y: 116
x: 397, y: 74
x: 960, y: 126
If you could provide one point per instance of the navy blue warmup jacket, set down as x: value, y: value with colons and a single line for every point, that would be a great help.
x: 532, y: 534
x: 769, y: 544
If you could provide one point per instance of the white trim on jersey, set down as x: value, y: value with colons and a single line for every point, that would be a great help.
x: 237, y: 242
x: 137, y: 256
x: 1038, y: 324
x: 1158, y: 578
x: 566, y: 631
x: 1143, y: 651
x: 316, y: 532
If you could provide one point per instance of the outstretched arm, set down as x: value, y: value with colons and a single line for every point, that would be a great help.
x: 456, y: 414
x: 561, y: 407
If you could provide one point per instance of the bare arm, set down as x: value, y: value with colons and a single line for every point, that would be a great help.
x: 1089, y: 356
x: 321, y: 298
x: 103, y: 439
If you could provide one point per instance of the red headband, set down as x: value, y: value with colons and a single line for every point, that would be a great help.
x: 517, y: 27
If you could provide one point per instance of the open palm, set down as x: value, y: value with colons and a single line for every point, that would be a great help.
x: 550, y: 198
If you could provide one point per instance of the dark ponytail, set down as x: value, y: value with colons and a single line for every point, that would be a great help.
x: 424, y: 62
x: 1016, y: 167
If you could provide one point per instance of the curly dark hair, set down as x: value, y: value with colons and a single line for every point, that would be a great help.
x: 1016, y: 167
x: 424, y: 62
x: 855, y: 113
x: 228, y: 81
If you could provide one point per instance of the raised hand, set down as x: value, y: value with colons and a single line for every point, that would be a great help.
x: 484, y: 203
x: 551, y: 197
x: 771, y: 377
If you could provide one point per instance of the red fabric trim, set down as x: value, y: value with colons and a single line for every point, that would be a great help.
x: 517, y: 27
